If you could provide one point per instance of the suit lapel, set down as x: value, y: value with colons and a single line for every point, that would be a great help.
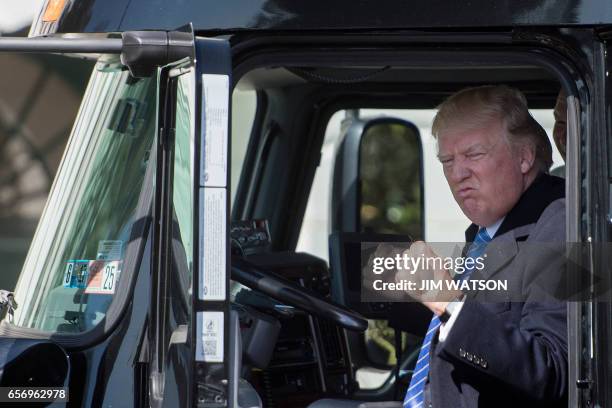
x: 503, y: 249
x: 500, y: 252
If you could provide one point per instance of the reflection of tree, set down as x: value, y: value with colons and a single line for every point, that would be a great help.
x: 390, y: 176
x: 382, y: 336
x: 36, y: 108
x: 21, y: 157
x: 39, y: 96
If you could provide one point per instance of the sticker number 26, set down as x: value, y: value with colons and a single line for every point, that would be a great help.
x: 109, y: 277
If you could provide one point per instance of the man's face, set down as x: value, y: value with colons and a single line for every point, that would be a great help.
x: 485, y: 173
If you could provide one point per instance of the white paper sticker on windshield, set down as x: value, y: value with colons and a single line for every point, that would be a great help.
x: 213, y: 264
x: 209, y: 347
x: 103, y: 277
x: 110, y: 250
x: 216, y: 113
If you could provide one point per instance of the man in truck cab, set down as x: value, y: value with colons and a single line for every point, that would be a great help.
x: 495, y: 158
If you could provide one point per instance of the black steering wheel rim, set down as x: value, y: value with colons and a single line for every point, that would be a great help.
x: 291, y: 294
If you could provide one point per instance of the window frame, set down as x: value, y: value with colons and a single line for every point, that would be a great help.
x: 545, y: 56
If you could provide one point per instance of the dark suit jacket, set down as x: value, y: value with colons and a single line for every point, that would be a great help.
x: 512, y: 354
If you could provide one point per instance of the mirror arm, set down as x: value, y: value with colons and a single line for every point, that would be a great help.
x: 141, y: 51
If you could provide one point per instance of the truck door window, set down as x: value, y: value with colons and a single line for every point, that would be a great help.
x: 443, y: 220
x: 182, y: 194
x: 71, y: 274
x: 316, y: 228
x: 244, y: 106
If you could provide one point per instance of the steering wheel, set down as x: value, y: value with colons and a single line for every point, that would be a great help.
x: 291, y: 294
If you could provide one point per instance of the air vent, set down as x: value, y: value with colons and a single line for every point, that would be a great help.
x: 332, y: 347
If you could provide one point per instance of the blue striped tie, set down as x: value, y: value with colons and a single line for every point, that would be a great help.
x: 476, y: 250
x: 414, y: 394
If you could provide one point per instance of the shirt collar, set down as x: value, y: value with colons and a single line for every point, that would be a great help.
x: 492, y: 229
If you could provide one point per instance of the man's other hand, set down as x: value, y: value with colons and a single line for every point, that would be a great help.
x: 430, y: 279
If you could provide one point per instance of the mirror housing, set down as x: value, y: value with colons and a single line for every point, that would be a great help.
x: 33, y: 363
x: 378, y: 187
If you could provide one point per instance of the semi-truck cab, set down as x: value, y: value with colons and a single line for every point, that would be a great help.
x: 200, y: 244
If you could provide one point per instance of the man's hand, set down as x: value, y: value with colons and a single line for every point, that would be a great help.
x: 383, y: 250
x: 435, y: 299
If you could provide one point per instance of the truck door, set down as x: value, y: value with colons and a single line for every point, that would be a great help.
x: 142, y: 196
x: 211, y: 278
x: 190, y: 362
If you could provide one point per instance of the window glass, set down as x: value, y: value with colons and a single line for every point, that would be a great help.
x: 244, y: 106
x: 74, y: 264
x: 182, y: 186
x: 316, y: 225
x: 443, y: 219
x: 174, y: 279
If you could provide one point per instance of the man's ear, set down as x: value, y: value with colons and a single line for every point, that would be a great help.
x: 527, y: 157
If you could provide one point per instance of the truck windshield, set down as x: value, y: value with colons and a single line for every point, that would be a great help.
x: 74, y: 264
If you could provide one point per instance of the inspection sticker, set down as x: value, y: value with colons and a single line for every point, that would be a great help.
x: 76, y: 274
x: 103, y: 276
x: 109, y: 250
x: 209, y: 347
x: 216, y: 119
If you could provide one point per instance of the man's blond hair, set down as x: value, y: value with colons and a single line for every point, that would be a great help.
x: 474, y: 108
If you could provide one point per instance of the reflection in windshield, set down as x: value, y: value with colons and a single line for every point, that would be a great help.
x: 74, y: 264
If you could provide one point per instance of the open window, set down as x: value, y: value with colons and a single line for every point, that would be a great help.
x: 313, y: 182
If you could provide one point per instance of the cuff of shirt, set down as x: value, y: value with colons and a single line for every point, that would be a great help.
x: 445, y: 328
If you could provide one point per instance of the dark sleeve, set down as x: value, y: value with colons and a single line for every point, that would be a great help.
x: 529, y: 357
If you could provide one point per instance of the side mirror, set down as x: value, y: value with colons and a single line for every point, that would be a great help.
x: 377, y: 195
x: 378, y: 179
x: 33, y: 363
